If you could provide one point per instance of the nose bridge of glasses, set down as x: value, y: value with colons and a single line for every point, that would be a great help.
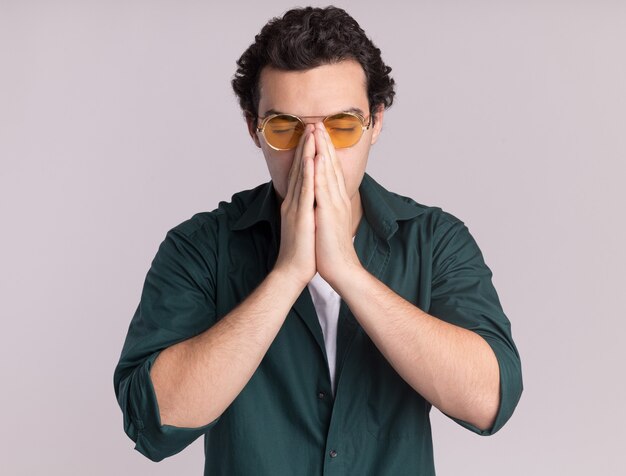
x: 305, y: 122
x: 265, y: 120
x: 311, y: 119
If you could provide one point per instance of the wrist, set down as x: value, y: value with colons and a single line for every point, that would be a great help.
x: 290, y: 278
x: 345, y: 276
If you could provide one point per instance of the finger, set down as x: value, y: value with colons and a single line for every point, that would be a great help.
x: 309, y: 147
x: 296, y: 165
x: 322, y: 194
x: 295, y: 168
x: 307, y: 193
x: 302, y: 185
x: 296, y: 180
x: 341, y: 183
x: 330, y: 176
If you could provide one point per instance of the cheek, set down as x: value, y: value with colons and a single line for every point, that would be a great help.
x: 352, y: 166
x: 278, y: 165
x: 348, y: 169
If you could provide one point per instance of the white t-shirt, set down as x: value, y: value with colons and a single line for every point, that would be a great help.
x: 326, y: 302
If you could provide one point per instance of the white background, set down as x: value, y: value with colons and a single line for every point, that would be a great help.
x: 117, y: 122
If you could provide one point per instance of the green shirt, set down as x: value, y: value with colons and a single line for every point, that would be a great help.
x: 286, y: 421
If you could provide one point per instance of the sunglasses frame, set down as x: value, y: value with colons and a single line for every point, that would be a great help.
x: 264, y: 120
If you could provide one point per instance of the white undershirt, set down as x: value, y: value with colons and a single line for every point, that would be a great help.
x: 326, y: 302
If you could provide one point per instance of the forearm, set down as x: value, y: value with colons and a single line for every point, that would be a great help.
x: 197, y: 379
x: 453, y: 368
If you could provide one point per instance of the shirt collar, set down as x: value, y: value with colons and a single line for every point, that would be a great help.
x: 383, y: 209
x: 262, y: 206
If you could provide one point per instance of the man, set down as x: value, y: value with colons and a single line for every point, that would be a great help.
x: 307, y: 326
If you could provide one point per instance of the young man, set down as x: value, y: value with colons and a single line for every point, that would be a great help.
x: 307, y: 326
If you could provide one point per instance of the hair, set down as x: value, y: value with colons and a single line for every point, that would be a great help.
x: 305, y: 38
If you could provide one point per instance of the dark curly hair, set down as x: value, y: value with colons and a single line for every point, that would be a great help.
x: 306, y: 38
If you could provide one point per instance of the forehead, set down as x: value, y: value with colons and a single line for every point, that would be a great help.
x: 314, y: 92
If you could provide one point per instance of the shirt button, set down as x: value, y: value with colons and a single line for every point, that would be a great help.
x: 321, y: 395
x: 333, y: 453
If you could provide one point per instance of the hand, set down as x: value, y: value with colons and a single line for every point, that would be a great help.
x: 297, y: 231
x: 334, y: 249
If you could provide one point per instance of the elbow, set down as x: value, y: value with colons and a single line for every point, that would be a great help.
x: 489, y: 406
x: 486, y: 412
x: 486, y: 420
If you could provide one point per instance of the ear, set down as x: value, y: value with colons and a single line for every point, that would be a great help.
x: 379, y: 112
x: 252, y: 128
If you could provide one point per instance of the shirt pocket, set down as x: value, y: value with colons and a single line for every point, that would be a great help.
x: 393, y: 409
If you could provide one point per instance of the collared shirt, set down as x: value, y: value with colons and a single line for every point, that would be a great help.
x: 286, y: 420
x: 327, y: 303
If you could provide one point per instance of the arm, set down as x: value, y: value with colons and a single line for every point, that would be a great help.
x: 197, y: 379
x: 461, y: 357
x: 179, y: 368
x: 451, y: 367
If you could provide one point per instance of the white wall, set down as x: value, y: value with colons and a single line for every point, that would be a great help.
x: 117, y: 122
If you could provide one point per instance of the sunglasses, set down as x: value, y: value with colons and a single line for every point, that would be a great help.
x: 283, y: 131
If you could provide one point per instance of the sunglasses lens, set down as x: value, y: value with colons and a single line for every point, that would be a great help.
x: 345, y: 130
x: 283, y: 132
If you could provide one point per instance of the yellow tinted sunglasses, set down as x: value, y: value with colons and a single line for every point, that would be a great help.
x: 283, y: 131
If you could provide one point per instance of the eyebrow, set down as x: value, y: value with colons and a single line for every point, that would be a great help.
x: 357, y: 110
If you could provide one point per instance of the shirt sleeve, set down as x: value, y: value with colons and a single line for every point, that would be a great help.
x: 463, y: 294
x: 177, y: 302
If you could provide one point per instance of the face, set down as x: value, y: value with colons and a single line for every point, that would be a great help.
x: 317, y: 92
